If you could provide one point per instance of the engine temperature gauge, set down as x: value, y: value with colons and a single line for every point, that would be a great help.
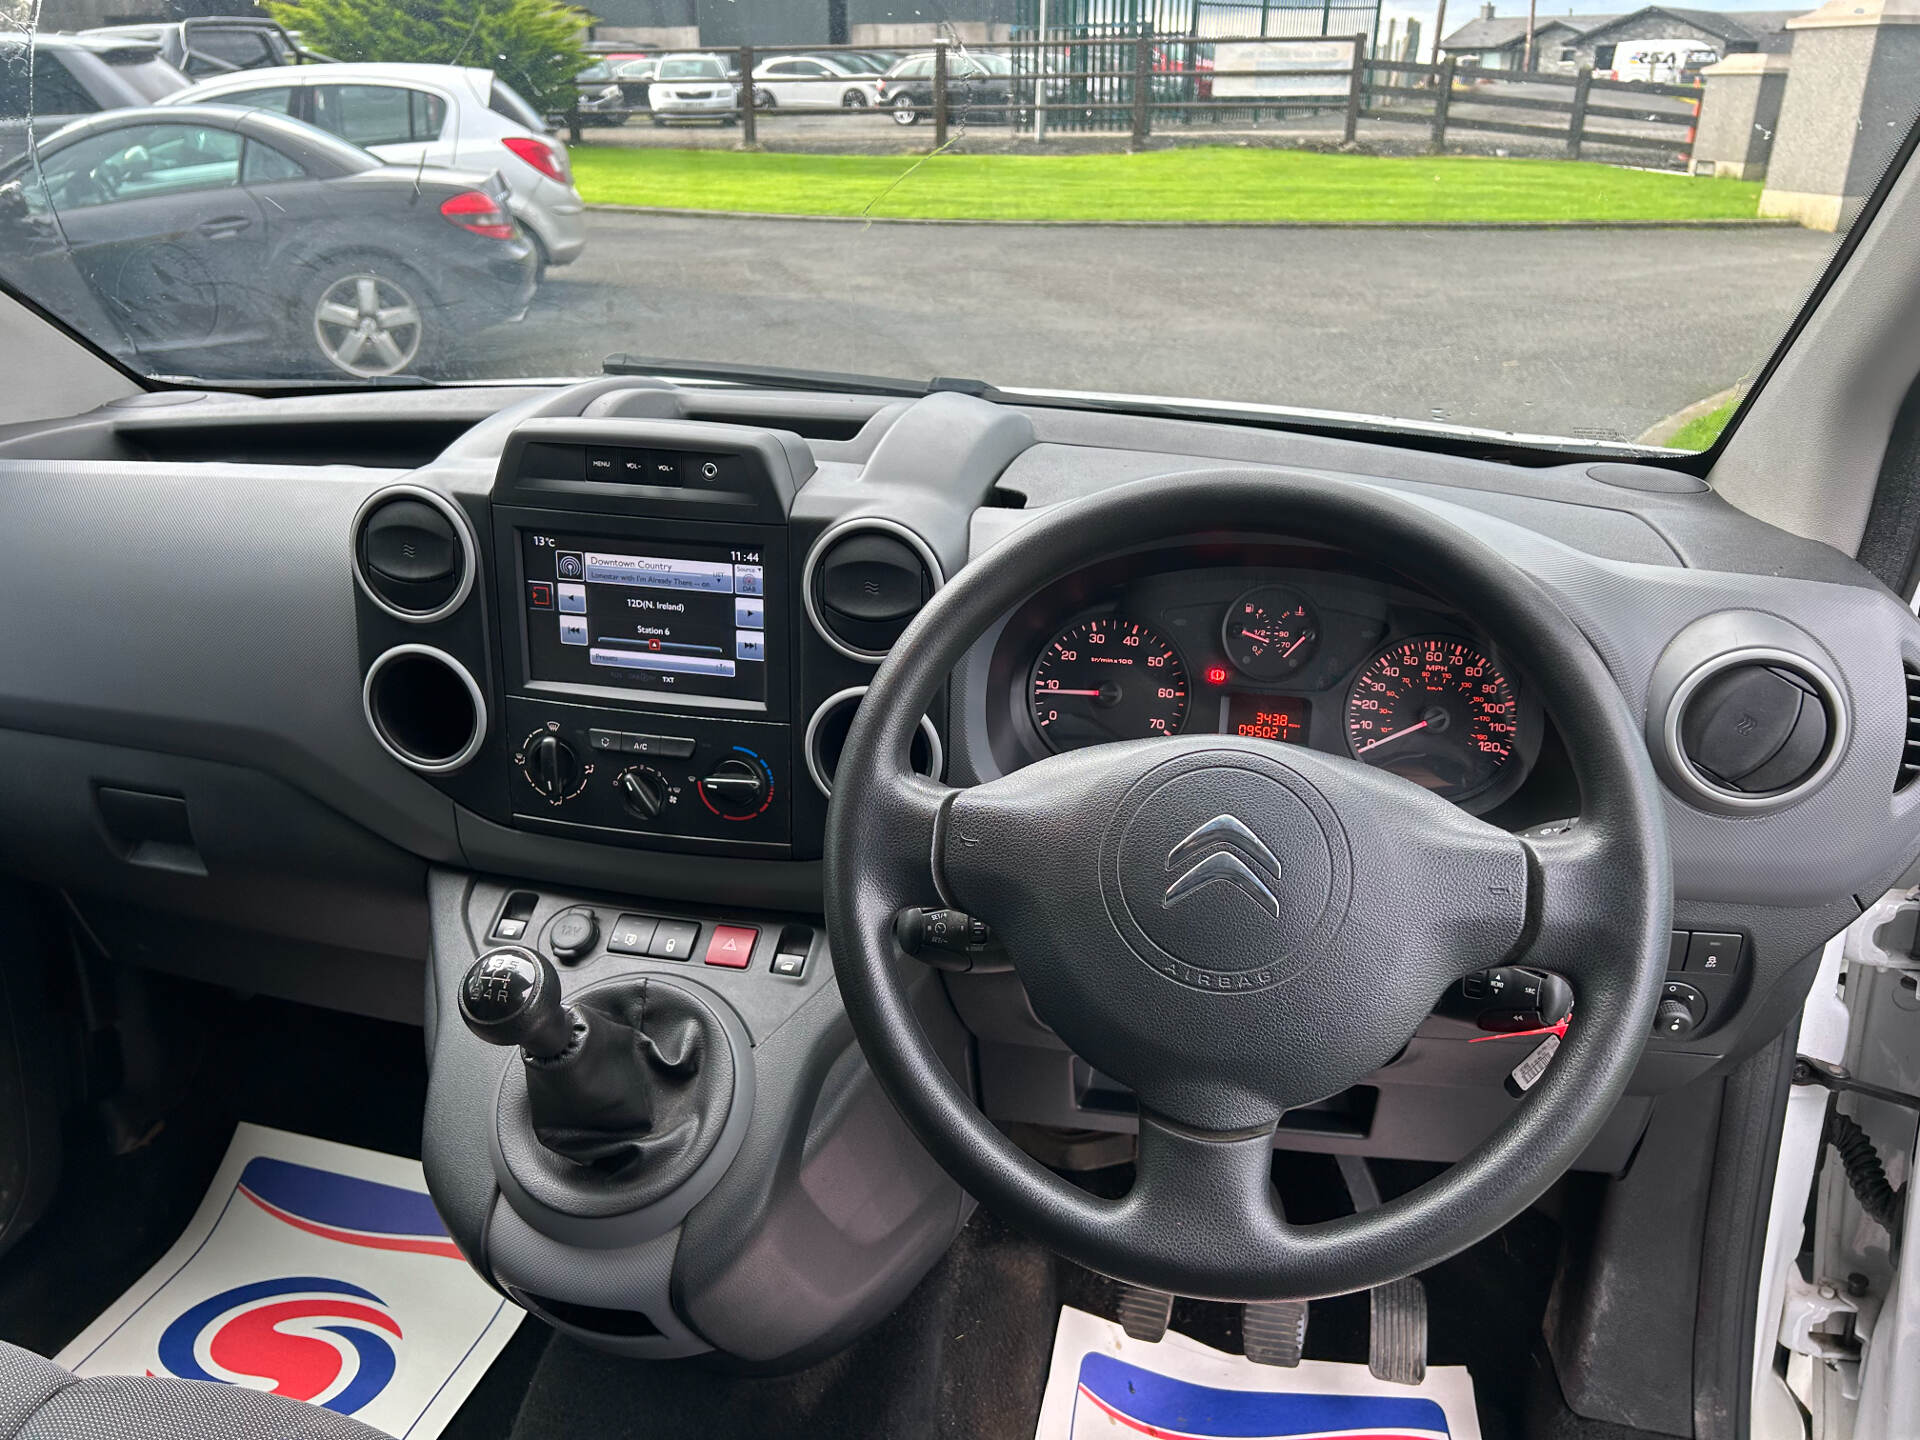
x: 1270, y: 632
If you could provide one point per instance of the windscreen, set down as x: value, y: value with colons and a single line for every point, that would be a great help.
x: 1584, y: 232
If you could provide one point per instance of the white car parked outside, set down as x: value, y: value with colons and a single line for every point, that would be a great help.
x: 813, y: 82
x: 449, y: 115
x: 693, y: 87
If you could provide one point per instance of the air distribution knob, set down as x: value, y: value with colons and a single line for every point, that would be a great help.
x: 511, y: 996
x: 552, y: 768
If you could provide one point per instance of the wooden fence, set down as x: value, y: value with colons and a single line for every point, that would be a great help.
x: 1142, y: 85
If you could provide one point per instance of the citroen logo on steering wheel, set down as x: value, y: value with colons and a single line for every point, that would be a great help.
x: 1224, y: 850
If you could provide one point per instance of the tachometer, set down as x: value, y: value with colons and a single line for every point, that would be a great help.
x: 1437, y: 711
x: 1107, y: 679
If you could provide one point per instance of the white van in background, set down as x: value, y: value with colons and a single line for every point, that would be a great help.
x: 1664, y: 60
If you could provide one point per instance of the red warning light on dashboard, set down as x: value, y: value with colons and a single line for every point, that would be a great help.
x: 1216, y: 675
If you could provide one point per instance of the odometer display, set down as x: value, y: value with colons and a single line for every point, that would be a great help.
x: 1107, y: 679
x: 1437, y: 711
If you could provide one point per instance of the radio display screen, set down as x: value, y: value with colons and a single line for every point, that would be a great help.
x: 679, y: 619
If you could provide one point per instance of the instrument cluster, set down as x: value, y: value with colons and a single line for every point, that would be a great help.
x: 1286, y: 644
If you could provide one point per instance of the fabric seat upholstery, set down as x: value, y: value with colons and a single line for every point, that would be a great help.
x: 40, y: 1401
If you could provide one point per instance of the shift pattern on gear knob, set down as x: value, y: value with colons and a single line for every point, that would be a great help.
x: 511, y: 996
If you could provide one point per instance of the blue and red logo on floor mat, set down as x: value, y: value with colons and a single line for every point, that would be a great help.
x: 347, y: 1208
x: 319, y: 1340
x: 314, y: 1338
x: 1116, y: 1395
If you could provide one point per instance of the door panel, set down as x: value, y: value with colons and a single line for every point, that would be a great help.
x: 163, y: 232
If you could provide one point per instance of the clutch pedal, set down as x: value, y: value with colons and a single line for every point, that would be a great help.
x: 1144, y: 1313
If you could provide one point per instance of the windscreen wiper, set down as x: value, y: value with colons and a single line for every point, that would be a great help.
x: 775, y: 377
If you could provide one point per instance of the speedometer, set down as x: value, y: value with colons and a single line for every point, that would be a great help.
x: 1107, y: 679
x: 1437, y: 711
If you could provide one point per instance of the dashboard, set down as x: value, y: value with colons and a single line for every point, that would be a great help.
x: 600, y: 644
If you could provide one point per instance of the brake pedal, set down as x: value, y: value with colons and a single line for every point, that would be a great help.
x: 1274, y: 1332
x: 1397, y: 1310
x: 1144, y: 1313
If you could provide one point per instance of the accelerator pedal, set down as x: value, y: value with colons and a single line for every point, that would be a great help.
x: 1144, y: 1313
x: 1274, y: 1332
x: 1397, y: 1346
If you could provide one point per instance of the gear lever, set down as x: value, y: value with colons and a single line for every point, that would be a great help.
x: 589, y: 1085
x: 511, y: 996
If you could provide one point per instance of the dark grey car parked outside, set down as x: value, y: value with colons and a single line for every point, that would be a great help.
x: 206, y: 45
x: 979, y: 87
x: 253, y: 242
x: 57, y: 78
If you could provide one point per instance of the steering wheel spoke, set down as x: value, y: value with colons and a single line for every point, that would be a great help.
x: 1199, y: 1183
x: 1569, y: 933
x: 905, y: 818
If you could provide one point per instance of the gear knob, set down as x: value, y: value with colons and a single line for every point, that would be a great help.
x: 511, y: 996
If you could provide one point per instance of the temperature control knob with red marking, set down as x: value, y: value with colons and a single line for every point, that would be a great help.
x: 737, y: 788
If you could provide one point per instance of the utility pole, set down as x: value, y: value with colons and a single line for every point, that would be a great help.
x: 1526, y: 62
x: 1040, y: 82
x: 1439, y: 30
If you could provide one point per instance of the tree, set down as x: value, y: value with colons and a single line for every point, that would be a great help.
x: 534, y: 45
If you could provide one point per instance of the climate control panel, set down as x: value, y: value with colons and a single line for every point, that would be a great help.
x: 669, y: 781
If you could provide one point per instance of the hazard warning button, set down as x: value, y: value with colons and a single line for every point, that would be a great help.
x: 731, y: 946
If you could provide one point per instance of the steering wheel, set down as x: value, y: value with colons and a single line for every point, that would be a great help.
x: 1349, y: 900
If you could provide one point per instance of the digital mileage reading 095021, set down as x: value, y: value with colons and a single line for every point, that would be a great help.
x: 1269, y: 717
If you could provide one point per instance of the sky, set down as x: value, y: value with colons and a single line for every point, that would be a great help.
x: 1461, y: 11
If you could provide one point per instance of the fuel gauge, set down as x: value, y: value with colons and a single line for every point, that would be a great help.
x: 1270, y: 632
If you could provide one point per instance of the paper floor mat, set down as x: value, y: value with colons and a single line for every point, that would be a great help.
x: 1104, y: 1385
x: 316, y: 1271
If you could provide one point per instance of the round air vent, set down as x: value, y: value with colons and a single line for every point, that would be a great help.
x: 827, y: 737
x: 1740, y: 727
x: 864, y: 582
x: 425, y: 708
x: 413, y: 553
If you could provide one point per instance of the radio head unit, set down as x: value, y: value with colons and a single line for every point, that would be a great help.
x: 673, y: 619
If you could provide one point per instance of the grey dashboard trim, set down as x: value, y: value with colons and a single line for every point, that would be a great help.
x: 469, y: 552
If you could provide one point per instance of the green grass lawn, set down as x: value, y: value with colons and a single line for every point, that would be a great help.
x: 1191, y: 184
x: 1701, y: 431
